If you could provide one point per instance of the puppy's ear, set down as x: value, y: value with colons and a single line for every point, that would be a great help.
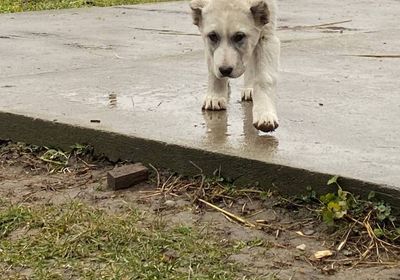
x: 260, y: 12
x: 197, y: 7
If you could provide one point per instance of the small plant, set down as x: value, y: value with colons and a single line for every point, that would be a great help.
x: 310, y: 197
x: 81, y: 150
x: 78, y: 157
x: 336, y: 205
x: 339, y: 205
x: 368, y: 221
x: 55, y: 157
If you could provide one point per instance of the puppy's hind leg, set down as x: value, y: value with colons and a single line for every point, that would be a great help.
x: 265, y: 65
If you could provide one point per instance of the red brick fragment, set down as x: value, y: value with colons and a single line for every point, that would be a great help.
x: 126, y: 176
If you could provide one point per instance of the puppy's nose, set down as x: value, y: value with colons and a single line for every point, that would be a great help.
x: 225, y: 71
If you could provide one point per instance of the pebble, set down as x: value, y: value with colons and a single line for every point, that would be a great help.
x: 301, y: 247
x: 170, y: 203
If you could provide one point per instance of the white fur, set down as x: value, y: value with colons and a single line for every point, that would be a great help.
x: 257, y: 56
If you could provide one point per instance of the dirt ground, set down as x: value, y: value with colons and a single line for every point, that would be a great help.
x: 267, y: 253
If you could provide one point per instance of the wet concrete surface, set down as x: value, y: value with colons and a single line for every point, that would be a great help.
x: 140, y: 71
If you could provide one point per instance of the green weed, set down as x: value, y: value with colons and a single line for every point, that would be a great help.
x: 12, y: 6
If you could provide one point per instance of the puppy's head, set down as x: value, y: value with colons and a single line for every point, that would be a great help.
x: 230, y: 29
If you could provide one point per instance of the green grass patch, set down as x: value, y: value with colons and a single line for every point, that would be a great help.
x: 12, y: 6
x: 12, y: 219
x: 81, y: 242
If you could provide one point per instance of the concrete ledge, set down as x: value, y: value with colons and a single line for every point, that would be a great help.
x: 243, y: 171
x: 140, y: 71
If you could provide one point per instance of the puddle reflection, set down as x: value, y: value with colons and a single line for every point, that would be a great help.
x: 253, y: 137
x: 243, y: 136
x: 217, y: 126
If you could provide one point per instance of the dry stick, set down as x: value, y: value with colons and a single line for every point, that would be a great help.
x: 158, y: 175
x: 229, y: 214
x: 185, y: 187
x: 332, y: 23
x: 308, y: 261
x: 150, y: 195
x: 256, y: 213
x: 343, y: 243
x: 229, y: 219
x: 373, y: 237
x: 341, y: 260
x: 370, y: 234
x: 203, y: 179
x: 370, y: 246
x: 244, y: 207
x: 370, y: 231
x: 87, y: 164
x: 173, y: 184
x: 376, y: 55
x: 394, y: 264
x: 165, y: 183
x: 249, y: 191
x: 223, y: 196
x: 195, y: 165
x: 317, y: 25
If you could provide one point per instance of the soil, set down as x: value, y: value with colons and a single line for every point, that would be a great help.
x: 276, y: 258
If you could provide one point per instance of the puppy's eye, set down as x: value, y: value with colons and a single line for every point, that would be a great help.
x: 238, y: 37
x: 213, y: 37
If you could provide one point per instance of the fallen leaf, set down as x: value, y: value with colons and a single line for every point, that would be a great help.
x: 323, y: 254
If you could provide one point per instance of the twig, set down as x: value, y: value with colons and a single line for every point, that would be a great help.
x: 195, y: 165
x: 343, y: 243
x: 250, y: 191
x: 229, y: 214
x: 314, y: 26
x: 341, y: 260
x: 332, y: 23
x: 255, y: 213
x: 158, y: 174
x: 173, y: 184
x: 394, y: 264
x: 376, y: 55
x: 87, y: 164
x: 165, y: 183
x: 229, y: 219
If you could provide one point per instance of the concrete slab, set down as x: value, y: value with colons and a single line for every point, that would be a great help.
x: 140, y: 71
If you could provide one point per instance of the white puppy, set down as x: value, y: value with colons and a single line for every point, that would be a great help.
x: 239, y: 37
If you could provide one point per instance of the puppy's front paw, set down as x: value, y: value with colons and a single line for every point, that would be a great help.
x: 247, y: 94
x: 214, y: 103
x: 265, y: 121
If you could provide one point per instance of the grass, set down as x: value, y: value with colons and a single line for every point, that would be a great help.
x: 80, y: 242
x: 12, y: 6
